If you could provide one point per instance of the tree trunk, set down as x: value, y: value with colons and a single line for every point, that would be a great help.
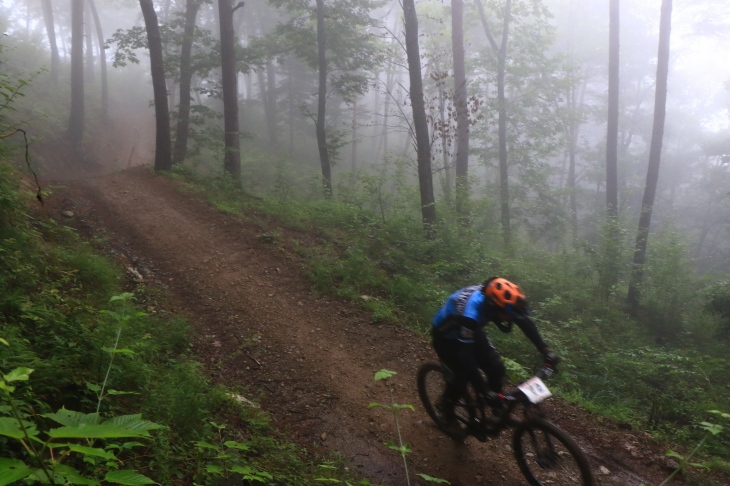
x: 655, y: 152
x: 76, y: 119
x: 389, y: 85
x: 322, y: 101
x: 575, y: 103
x: 102, y: 62
x: 89, y: 49
x: 51, y: 30
x: 186, y: 76
x: 612, y: 250
x: 163, y: 147
x: 612, y: 125
x: 462, y: 110
x: 232, y: 160
x: 261, y: 81
x: 572, y: 142
x: 448, y: 183
x: 420, y: 123
x: 501, y: 52
x: 353, y: 140
x: 271, y: 102
x: 290, y: 88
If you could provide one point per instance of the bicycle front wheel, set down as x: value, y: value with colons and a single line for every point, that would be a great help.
x: 432, y: 383
x: 547, y: 455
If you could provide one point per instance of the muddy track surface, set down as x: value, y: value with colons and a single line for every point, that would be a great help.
x: 308, y: 358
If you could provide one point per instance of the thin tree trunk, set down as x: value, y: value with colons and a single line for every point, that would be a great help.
x: 573, y: 127
x: 375, y: 127
x: 655, y: 152
x: 613, y: 102
x: 102, y: 61
x: 420, y: 123
x: 186, y: 75
x: 324, y: 157
x: 612, y: 252
x: 261, y: 79
x: 462, y: 110
x: 51, y: 30
x: 290, y: 88
x: 575, y: 103
x: 501, y: 52
x: 271, y: 102
x: 382, y: 140
x: 163, y: 146
x: 353, y: 140
x: 232, y: 158
x: 89, y: 49
x: 248, y: 82
x: 448, y: 182
x: 76, y: 120
x: 166, y: 11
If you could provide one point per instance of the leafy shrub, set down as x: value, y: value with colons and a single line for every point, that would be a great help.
x: 718, y: 302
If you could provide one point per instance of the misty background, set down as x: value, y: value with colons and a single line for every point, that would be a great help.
x: 558, y: 51
x: 540, y: 131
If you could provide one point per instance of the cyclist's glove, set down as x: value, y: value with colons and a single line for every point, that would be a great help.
x: 551, y: 359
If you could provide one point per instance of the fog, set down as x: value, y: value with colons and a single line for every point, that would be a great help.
x: 558, y: 49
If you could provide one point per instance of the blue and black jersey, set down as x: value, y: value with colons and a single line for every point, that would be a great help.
x: 468, y: 310
x: 465, y: 303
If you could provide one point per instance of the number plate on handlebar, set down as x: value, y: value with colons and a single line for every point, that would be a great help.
x: 535, y: 390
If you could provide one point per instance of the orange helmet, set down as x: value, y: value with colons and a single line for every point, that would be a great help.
x: 505, y: 294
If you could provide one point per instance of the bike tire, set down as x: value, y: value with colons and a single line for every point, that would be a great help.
x: 547, y: 455
x: 432, y: 382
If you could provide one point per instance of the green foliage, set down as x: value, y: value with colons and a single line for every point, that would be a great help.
x: 129, y: 42
x: 718, y: 302
x: 665, y: 300
x: 226, y: 458
x: 711, y: 429
x: 353, y: 52
x: 11, y: 88
x: 646, y: 372
x: 395, y: 409
x: 119, y: 361
x: 95, y: 435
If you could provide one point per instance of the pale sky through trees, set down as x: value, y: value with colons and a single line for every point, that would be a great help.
x: 699, y: 46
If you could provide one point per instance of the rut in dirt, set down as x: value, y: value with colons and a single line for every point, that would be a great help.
x: 309, y: 359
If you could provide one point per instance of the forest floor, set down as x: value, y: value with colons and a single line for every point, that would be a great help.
x: 307, y: 358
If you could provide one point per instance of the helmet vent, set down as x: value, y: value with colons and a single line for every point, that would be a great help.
x: 503, y: 292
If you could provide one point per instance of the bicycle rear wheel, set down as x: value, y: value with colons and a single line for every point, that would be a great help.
x: 547, y: 455
x: 432, y: 382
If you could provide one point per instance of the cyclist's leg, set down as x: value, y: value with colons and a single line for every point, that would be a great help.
x: 448, y: 351
x: 465, y: 365
x: 490, y: 362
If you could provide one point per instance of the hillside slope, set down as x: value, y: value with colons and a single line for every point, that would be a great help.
x: 308, y: 359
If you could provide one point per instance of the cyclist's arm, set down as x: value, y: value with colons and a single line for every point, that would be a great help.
x: 468, y: 328
x: 530, y: 330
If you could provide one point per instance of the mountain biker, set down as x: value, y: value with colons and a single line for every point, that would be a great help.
x: 462, y: 344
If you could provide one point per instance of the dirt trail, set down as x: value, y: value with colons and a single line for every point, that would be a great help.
x: 311, y: 357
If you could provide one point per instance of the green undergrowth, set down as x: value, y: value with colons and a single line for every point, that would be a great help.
x: 662, y: 371
x: 64, y: 346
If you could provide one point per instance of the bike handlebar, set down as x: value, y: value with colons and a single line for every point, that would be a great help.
x: 515, y: 394
x: 546, y: 372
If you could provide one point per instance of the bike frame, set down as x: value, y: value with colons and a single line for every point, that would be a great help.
x: 482, y: 424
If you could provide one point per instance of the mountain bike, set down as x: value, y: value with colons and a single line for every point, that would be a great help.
x: 546, y: 454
